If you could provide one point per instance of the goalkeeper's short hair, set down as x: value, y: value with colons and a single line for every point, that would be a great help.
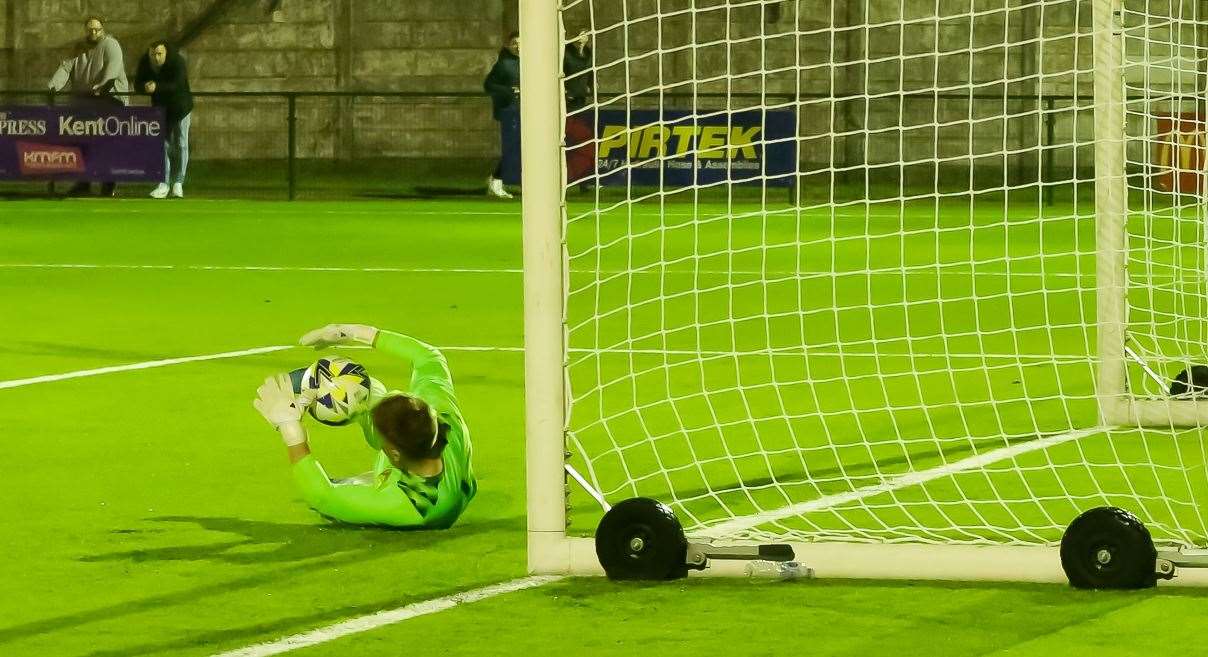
x: 410, y: 425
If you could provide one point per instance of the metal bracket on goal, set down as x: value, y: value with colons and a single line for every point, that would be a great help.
x: 699, y: 554
x: 1170, y: 559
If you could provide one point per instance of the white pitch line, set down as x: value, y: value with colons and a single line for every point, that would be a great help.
x: 271, y: 268
x: 50, y: 378
x: 17, y: 383
x: 807, y: 351
x: 731, y: 527
x: 618, y: 211
x: 384, y: 618
x: 1043, y: 358
x: 132, y: 208
x: 481, y: 348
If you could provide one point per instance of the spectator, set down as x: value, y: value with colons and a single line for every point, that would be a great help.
x: 96, y: 75
x: 163, y: 74
x: 576, y: 67
x: 503, y: 86
x: 580, y: 89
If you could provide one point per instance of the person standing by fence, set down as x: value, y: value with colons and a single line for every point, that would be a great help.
x: 580, y: 86
x: 576, y: 69
x: 95, y: 75
x: 503, y: 86
x: 163, y: 73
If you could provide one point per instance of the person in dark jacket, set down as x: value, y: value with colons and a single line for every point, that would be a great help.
x: 580, y: 87
x: 163, y: 74
x: 503, y: 86
x: 576, y: 67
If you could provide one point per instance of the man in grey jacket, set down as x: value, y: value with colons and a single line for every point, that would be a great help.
x: 95, y: 75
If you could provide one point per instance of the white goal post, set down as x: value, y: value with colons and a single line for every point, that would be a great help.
x: 957, y: 333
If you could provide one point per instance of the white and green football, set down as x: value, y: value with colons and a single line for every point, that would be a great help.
x: 342, y: 387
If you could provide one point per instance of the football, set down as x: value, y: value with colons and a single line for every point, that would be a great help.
x: 342, y: 387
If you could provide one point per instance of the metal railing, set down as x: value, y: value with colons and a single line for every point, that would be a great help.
x: 351, y: 112
x: 291, y: 102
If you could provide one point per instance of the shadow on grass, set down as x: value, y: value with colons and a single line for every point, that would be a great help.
x: 270, y: 542
x: 321, y: 547
x: 28, y: 195
x: 421, y: 192
x: 31, y: 348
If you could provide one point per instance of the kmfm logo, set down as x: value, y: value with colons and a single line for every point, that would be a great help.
x: 1179, y: 154
x: 708, y: 141
x: 43, y: 159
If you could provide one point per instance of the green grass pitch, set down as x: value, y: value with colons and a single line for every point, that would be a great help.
x: 150, y: 512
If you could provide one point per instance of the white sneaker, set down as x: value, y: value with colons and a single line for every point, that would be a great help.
x: 178, y: 190
x: 495, y: 188
x: 160, y: 191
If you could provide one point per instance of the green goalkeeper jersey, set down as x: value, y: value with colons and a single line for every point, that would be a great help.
x: 395, y: 497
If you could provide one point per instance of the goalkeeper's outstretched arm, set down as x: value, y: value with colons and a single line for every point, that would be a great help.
x: 430, y: 376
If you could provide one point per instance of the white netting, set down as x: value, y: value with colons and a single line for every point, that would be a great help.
x: 1166, y: 79
x: 903, y: 346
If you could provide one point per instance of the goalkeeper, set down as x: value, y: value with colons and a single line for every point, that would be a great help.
x: 422, y: 477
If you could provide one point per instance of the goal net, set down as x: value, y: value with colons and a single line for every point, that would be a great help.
x: 885, y: 272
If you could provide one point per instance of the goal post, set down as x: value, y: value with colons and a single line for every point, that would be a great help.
x: 1111, y: 210
x: 544, y: 340
x: 956, y: 333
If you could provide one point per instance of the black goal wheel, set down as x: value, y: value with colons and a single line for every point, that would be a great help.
x: 1108, y: 548
x: 642, y: 539
x: 1196, y: 383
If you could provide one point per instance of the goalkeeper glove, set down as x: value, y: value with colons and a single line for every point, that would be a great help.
x: 339, y: 334
x: 277, y: 402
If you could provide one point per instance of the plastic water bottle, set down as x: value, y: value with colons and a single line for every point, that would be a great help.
x: 784, y: 570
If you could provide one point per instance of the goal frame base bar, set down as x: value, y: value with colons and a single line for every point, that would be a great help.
x: 1140, y: 412
x: 903, y: 561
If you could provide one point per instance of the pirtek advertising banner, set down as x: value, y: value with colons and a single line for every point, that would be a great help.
x: 99, y: 143
x: 677, y: 149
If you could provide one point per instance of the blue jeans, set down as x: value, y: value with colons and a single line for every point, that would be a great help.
x: 176, y: 151
x: 509, y: 146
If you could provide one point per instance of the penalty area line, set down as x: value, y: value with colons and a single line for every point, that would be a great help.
x: 388, y: 617
x: 1040, y: 358
x: 51, y: 378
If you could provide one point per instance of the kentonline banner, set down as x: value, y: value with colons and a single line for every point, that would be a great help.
x: 675, y: 148
x: 102, y: 143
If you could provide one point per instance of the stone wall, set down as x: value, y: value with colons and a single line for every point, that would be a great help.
x: 310, y: 45
x: 875, y: 83
x: 878, y: 82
